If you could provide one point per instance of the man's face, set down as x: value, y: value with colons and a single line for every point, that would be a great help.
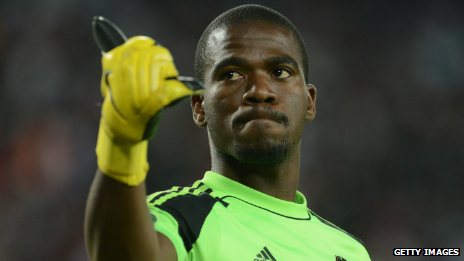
x: 256, y: 100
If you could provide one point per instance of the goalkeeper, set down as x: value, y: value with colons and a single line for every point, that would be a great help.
x: 255, y: 104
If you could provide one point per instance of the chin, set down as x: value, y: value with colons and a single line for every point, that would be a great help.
x: 265, y: 152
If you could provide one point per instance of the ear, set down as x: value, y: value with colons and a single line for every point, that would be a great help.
x: 311, y: 112
x: 198, y: 110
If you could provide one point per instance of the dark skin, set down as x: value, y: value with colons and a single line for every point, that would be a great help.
x: 266, y: 78
x: 265, y: 74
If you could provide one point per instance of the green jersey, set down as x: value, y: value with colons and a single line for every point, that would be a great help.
x: 219, y: 219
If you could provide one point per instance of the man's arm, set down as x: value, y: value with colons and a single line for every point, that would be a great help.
x: 118, y: 225
x: 138, y: 80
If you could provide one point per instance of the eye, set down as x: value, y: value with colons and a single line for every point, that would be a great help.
x: 231, y: 76
x: 281, y: 73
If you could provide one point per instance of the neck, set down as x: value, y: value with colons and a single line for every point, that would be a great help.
x: 276, y: 180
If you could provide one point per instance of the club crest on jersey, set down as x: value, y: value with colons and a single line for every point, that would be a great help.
x: 339, y: 258
x: 154, y: 217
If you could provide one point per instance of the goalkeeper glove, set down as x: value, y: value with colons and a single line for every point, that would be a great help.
x: 138, y: 81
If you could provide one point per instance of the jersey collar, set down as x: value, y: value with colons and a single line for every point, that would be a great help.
x: 224, y: 186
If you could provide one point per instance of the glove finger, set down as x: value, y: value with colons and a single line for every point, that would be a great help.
x: 112, y: 78
x: 161, y: 54
x: 166, y: 70
x: 104, y: 84
x: 138, y: 42
x: 114, y: 95
x: 120, y: 82
x: 107, y: 61
x: 140, y: 70
x: 145, y: 73
x: 174, y: 91
x: 113, y: 57
x: 133, y: 87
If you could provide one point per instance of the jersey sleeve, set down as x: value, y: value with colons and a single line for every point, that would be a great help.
x: 164, y: 223
x: 180, y: 214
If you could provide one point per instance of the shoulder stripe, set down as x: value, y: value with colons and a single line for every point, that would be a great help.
x: 176, y: 188
x: 337, y: 228
x: 197, y: 184
x: 189, y: 206
x: 159, y: 196
x: 175, y: 191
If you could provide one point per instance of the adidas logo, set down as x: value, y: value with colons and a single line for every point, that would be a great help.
x: 264, y: 255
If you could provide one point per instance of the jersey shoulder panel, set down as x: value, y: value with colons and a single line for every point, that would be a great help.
x: 189, y: 206
x: 337, y: 228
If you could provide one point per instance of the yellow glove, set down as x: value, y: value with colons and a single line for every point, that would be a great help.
x: 139, y: 80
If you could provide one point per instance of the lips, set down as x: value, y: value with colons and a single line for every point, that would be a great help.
x: 257, y: 113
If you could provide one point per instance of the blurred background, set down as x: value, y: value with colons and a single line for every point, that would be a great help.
x: 384, y: 158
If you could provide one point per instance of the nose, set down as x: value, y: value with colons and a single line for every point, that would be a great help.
x: 259, y: 90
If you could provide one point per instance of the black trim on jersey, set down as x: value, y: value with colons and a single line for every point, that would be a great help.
x: 190, y: 212
x: 309, y: 216
x: 337, y: 228
x: 159, y: 196
x: 198, y: 186
x: 178, y: 189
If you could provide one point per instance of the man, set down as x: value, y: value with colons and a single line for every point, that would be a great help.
x: 253, y: 63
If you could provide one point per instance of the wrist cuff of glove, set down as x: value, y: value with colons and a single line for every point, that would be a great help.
x: 126, y: 163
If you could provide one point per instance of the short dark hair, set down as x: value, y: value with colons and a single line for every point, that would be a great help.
x: 246, y: 14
